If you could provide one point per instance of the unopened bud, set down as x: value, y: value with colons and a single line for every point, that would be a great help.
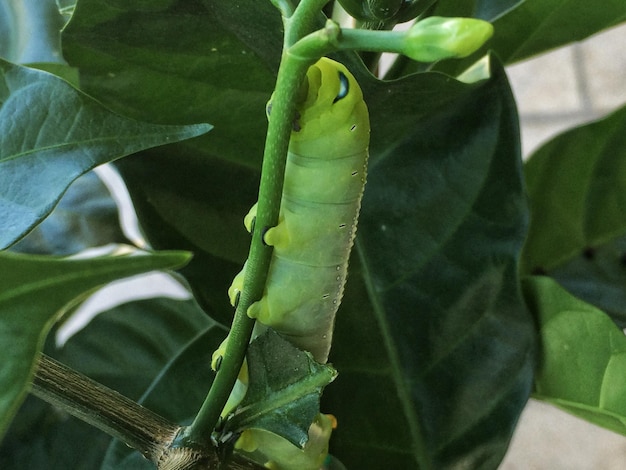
x: 437, y: 38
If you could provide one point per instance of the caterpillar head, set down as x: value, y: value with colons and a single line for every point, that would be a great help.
x: 333, y: 119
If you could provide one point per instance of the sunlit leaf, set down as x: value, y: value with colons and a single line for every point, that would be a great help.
x: 48, y: 143
x: 583, y: 356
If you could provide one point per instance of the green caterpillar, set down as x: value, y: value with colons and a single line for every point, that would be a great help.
x: 324, y: 181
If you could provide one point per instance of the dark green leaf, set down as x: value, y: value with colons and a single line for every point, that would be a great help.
x: 177, y: 394
x: 583, y: 356
x: 182, y: 61
x: 160, y: 61
x: 433, y: 344
x: 576, y: 183
x: 537, y: 26
x: 284, y: 392
x: 124, y: 348
x: 598, y: 276
x: 43, y: 437
x: 47, y: 144
x: 196, y: 204
x: 35, y: 291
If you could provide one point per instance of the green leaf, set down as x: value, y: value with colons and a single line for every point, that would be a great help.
x: 30, y: 31
x: 583, y: 356
x: 284, y: 392
x: 47, y: 143
x: 537, y: 26
x: 432, y: 321
x: 182, y: 61
x: 176, y: 394
x: 576, y: 184
x: 598, y: 276
x: 125, y: 349
x: 193, y: 195
x: 36, y: 290
x: 197, y: 204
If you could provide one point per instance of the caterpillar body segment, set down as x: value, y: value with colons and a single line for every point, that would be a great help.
x: 324, y: 182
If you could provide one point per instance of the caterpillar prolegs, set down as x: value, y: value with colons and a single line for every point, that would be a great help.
x: 324, y: 181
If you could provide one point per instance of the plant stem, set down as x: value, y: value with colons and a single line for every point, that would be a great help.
x: 284, y: 6
x: 293, y: 67
x: 371, y: 41
x: 305, y: 19
x: 290, y: 76
x: 103, y: 408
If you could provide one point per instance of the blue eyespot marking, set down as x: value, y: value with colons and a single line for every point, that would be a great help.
x: 344, y: 87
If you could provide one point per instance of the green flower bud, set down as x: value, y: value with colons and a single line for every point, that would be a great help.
x: 437, y: 38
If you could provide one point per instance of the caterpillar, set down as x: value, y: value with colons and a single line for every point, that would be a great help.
x: 324, y: 181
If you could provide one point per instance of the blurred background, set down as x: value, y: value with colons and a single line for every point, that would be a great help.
x: 554, y: 92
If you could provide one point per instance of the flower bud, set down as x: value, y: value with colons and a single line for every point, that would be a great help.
x: 437, y: 38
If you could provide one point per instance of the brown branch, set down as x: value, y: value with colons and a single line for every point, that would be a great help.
x: 103, y: 408
x: 122, y: 418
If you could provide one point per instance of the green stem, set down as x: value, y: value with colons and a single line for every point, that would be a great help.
x: 290, y: 75
x: 284, y: 6
x: 372, y: 41
x: 332, y: 38
x: 305, y: 19
x: 294, y: 65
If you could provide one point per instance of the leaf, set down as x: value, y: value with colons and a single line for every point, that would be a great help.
x: 47, y: 143
x: 125, y: 349
x: 576, y: 184
x: 598, y: 276
x: 176, y: 394
x: 198, y: 204
x: 583, y: 356
x: 85, y: 217
x: 537, y: 26
x: 195, y: 204
x: 193, y: 195
x: 284, y: 392
x: 160, y: 61
x: 432, y: 321
x: 30, y: 31
x: 35, y: 291
x: 487, y: 10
